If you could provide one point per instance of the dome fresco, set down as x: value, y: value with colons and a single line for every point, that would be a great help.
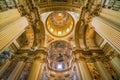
x: 59, y: 23
x: 59, y: 56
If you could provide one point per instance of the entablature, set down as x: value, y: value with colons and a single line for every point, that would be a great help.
x: 50, y: 5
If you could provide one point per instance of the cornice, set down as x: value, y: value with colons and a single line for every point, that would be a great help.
x: 29, y: 51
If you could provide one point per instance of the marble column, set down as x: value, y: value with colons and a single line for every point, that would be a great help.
x: 11, y: 32
x: 104, y: 73
x: 78, y: 69
x: 104, y: 29
x: 17, y: 70
x: 4, y: 67
x: 85, y: 73
x: 40, y: 76
x: 36, y: 68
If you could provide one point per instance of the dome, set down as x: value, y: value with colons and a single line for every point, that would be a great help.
x: 59, y: 56
x: 59, y: 23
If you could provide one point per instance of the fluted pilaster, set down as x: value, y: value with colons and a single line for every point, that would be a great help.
x: 104, y: 73
x: 115, y: 61
x: 17, y: 70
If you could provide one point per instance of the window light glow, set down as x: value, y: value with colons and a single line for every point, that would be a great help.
x: 67, y: 30
x: 59, y: 14
x: 59, y: 67
x: 59, y: 33
x: 51, y: 30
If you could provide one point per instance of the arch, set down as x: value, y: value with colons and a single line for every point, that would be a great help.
x: 59, y: 41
